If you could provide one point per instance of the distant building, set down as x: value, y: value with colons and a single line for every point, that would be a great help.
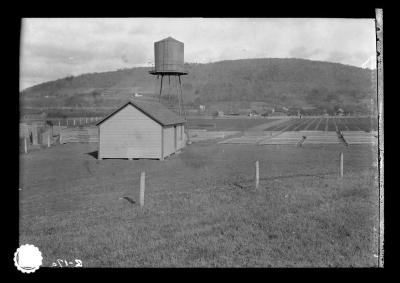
x: 202, y: 107
x: 253, y: 113
x: 340, y: 112
x: 141, y: 129
x: 220, y: 113
x: 266, y: 111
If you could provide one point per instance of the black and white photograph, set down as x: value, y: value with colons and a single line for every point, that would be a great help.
x: 192, y: 142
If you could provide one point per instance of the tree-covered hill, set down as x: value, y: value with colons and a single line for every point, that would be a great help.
x: 276, y: 82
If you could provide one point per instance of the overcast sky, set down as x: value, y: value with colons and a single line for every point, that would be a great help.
x: 55, y: 48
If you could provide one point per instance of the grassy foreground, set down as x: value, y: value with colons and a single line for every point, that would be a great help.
x: 201, y: 207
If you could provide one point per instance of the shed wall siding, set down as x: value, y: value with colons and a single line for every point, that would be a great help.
x: 130, y: 134
x: 169, y: 142
x: 181, y: 136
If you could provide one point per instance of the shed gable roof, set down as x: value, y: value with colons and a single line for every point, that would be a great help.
x: 152, y: 109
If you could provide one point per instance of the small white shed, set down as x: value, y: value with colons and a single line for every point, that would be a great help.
x: 141, y: 129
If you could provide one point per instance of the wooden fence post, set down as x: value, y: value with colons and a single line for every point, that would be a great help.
x: 60, y: 135
x: 25, y: 146
x: 59, y: 124
x: 142, y: 187
x: 257, y: 174
x: 341, y: 165
x: 74, y: 122
x: 48, y: 139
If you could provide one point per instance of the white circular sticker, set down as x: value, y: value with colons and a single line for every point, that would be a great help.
x: 28, y: 258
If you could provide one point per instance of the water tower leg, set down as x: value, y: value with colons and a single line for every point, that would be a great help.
x: 179, y: 99
x: 181, y: 94
x: 186, y: 125
x: 169, y: 89
x: 159, y: 98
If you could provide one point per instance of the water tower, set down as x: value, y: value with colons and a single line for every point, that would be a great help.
x: 168, y: 57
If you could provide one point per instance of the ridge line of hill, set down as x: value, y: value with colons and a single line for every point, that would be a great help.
x: 288, y: 82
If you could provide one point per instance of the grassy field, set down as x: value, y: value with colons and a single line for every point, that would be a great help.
x: 201, y: 207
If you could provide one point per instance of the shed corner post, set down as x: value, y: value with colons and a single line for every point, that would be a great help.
x: 98, y: 147
x: 162, y: 143
x: 175, y: 138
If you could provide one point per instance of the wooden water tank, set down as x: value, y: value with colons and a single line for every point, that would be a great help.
x: 168, y: 56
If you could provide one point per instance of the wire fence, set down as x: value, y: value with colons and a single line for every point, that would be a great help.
x: 74, y: 122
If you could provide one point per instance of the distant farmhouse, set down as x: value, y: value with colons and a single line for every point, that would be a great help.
x: 141, y: 129
x: 340, y: 112
x: 253, y: 113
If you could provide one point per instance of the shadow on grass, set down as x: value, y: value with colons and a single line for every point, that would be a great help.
x: 129, y: 200
x: 94, y: 154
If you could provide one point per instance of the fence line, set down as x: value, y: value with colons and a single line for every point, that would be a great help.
x: 154, y: 175
x: 74, y: 121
